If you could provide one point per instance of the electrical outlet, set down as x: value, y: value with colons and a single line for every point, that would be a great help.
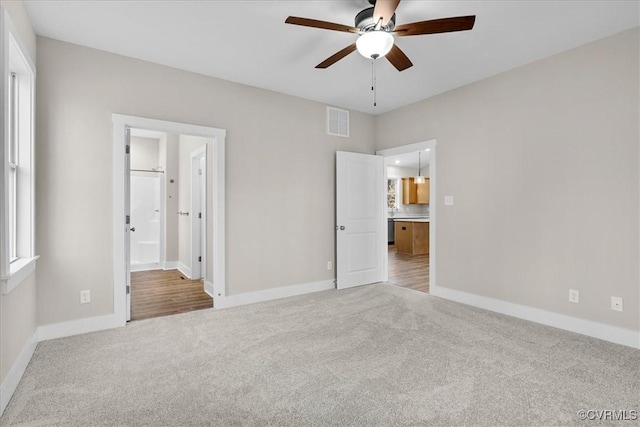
x: 85, y: 297
x: 574, y: 296
x: 329, y: 265
x: 616, y: 303
x: 448, y: 200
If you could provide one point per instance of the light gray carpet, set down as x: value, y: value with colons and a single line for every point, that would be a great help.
x: 376, y: 355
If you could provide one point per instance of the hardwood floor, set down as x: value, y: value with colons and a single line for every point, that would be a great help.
x: 409, y: 271
x: 158, y: 293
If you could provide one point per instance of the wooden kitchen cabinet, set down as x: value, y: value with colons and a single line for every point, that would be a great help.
x: 412, y: 237
x: 415, y: 194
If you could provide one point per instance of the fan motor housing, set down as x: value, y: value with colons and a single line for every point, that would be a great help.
x: 364, y: 21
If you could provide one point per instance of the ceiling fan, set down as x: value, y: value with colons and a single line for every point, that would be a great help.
x: 376, y: 27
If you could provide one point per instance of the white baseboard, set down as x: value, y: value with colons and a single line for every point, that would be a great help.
x: 208, y: 288
x: 77, y: 327
x: 271, y: 294
x: 184, y: 269
x: 573, y: 324
x: 11, y: 381
x: 146, y: 267
x: 170, y: 265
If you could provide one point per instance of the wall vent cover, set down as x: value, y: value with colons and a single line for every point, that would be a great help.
x: 337, y: 122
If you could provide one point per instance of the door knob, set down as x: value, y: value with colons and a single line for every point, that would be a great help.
x: 342, y: 227
x: 133, y: 229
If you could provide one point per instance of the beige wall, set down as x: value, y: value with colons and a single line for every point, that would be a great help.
x: 280, y: 168
x: 169, y: 160
x: 17, y: 322
x: 543, y: 163
x: 18, y: 307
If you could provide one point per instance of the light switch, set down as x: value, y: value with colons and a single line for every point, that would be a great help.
x: 448, y: 200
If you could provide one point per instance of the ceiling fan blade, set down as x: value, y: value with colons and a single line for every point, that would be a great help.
x: 306, y: 22
x: 398, y: 59
x: 337, y: 56
x: 434, y: 26
x: 384, y: 9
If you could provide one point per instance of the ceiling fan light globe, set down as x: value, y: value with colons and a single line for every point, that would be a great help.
x: 374, y: 43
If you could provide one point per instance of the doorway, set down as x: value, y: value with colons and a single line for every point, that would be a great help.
x: 410, y: 260
x: 210, y: 245
x: 167, y: 258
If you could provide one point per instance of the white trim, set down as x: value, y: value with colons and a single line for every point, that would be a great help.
x: 208, y: 288
x: 79, y: 326
x: 412, y: 148
x: 120, y: 124
x: 184, y: 270
x: 581, y: 326
x: 218, y: 226
x: 18, y: 271
x: 170, y: 265
x: 11, y: 381
x: 272, y: 294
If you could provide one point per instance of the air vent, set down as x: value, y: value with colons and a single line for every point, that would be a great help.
x: 337, y: 122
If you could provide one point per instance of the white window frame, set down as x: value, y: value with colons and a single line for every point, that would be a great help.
x: 12, y: 161
x: 17, y: 195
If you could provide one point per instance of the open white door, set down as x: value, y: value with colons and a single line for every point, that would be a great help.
x: 198, y: 213
x: 127, y: 211
x: 360, y: 227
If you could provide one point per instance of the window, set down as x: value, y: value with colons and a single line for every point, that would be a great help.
x: 17, y: 245
x: 392, y: 202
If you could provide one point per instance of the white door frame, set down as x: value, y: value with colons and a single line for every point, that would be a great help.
x: 412, y: 148
x: 120, y: 124
x: 127, y: 227
x: 198, y: 213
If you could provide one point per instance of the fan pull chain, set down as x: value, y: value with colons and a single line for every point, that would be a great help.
x: 373, y: 82
x: 372, y: 71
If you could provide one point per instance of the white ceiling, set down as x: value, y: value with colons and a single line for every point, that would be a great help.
x: 409, y: 160
x: 248, y: 41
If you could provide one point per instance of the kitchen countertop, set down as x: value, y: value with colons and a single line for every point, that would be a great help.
x: 411, y: 219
